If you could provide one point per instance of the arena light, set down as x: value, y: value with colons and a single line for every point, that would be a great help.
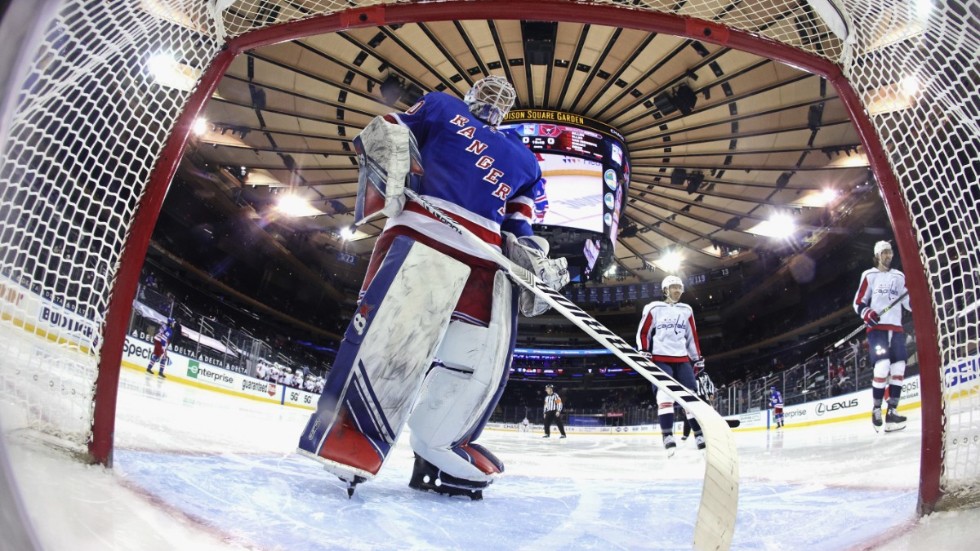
x: 780, y: 225
x: 923, y: 9
x: 346, y: 233
x: 817, y: 199
x: 168, y: 72
x: 910, y: 85
x: 200, y: 126
x: 291, y: 204
x: 670, y: 262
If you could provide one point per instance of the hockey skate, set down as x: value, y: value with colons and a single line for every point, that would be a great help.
x: 426, y: 476
x: 894, y: 421
x: 876, y: 418
x: 670, y: 445
x: 352, y: 484
x: 699, y: 440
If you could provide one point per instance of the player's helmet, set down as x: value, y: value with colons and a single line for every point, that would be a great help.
x: 552, y: 387
x: 773, y: 389
x: 171, y: 322
x: 490, y: 99
x: 882, y: 246
x: 671, y: 280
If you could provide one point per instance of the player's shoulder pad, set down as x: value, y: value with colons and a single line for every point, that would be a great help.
x: 686, y: 306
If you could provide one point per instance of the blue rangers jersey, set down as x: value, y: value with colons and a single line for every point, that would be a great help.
x: 164, y: 335
x: 877, y: 290
x: 776, y: 399
x: 668, y: 333
x: 540, y: 201
x: 481, y: 176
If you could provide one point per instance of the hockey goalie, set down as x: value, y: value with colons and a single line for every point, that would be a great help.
x: 431, y: 342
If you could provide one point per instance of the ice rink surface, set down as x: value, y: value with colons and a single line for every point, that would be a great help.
x: 199, y: 470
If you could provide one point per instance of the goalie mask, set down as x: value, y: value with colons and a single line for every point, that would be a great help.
x: 490, y: 99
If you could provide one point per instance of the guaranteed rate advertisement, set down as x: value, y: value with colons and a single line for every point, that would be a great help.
x: 585, y: 165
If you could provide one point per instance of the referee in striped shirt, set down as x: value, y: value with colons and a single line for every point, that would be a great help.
x: 705, y: 391
x: 552, y: 412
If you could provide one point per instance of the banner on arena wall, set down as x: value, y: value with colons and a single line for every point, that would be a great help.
x: 180, y: 368
x: 44, y: 316
x: 521, y: 352
x: 639, y: 430
x: 187, y: 332
x: 962, y: 376
x: 839, y: 408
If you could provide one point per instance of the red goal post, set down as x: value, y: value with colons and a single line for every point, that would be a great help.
x: 93, y: 143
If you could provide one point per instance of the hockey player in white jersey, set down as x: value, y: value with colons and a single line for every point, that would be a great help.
x: 435, y: 325
x: 668, y: 334
x: 881, y: 286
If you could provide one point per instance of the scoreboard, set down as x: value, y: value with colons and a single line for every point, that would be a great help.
x: 586, y: 173
x: 555, y: 138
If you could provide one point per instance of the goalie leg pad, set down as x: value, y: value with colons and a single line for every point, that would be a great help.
x: 462, y: 390
x: 382, y: 360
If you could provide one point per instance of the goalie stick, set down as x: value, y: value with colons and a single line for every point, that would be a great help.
x: 861, y: 327
x: 715, y: 524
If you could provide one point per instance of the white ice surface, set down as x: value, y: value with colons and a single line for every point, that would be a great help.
x: 199, y: 470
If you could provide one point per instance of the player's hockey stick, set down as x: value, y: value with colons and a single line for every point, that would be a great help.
x: 863, y: 327
x: 715, y: 524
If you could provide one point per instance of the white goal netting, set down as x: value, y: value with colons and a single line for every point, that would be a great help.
x: 102, y: 93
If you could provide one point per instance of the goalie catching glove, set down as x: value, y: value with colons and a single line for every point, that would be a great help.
x: 531, y: 253
x: 388, y: 161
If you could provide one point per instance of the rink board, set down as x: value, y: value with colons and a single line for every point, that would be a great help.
x: 188, y: 371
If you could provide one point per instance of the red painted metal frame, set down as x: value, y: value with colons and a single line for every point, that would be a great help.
x: 543, y: 10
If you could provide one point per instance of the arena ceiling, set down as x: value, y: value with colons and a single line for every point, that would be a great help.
x: 766, y: 137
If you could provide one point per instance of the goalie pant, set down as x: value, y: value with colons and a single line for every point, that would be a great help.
x: 410, y: 314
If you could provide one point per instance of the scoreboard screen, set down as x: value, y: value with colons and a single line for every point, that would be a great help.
x: 585, y: 167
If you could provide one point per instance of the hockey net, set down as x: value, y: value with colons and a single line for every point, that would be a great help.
x: 102, y: 107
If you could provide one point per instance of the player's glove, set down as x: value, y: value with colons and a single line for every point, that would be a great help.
x: 870, y: 317
x: 698, y: 365
x: 531, y: 253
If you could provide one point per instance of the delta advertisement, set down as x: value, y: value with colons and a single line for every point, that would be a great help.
x: 181, y: 369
